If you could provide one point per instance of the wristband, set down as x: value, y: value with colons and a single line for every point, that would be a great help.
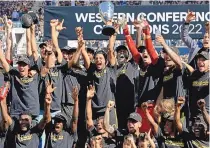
x: 186, y: 23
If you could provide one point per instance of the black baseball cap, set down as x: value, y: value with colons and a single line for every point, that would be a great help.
x: 60, y: 116
x: 24, y: 59
x: 42, y: 45
x: 65, y: 48
x: 174, y: 48
x: 91, y: 50
x: 135, y: 116
x: 141, y: 49
x: 204, y: 54
x: 72, y: 49
x: 121, y: 47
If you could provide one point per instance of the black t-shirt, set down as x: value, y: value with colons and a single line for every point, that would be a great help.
x: 2, y: 138
x: 191, y: 141
x: 199, y: 90
x: 168, y: 142
x: 173, y: 86
x: 55, y: 76
x: 70, y: 81
x: 125, y: 86
x: 24, y: 93
x: 105, y: 86
x: 65, y: 139
x: 108, y: 142
x: 30, y: 139
x: 150, y: 81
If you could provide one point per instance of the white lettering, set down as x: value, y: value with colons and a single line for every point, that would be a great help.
x: 81, y: 16
x: 151, y: 17
x: 97, y: 29
x: 165, y: 29
x: 98, y: 18
x: 176, y: 17
x: 92, y: 17
x: 161, y: 17
x: 207, y: 16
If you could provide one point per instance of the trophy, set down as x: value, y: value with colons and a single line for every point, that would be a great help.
x: 106, y: 10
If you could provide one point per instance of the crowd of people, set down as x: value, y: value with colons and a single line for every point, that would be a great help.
x: 125, y: 96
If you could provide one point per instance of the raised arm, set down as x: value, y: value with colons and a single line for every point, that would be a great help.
x: 9, y: 40
x: 149, y: 45
x: 190, y: 68
x: 33, y: 43
x: 28, y: 42
x: 56, y: 27
x: 138, y: 27
x: 184, y: 34
x: 75, y: 115
x: 201, y: 104
x: 107, y: 125
x: 174, y: 57
x: 112, y: 39
x: 48, y: 100
x: 178, y: 122
x: 144, y: 107
x: 80, y: 49
x: 6, y: 119
x: 90, y: 95
x: 131, y: 45
x: 3, y: 61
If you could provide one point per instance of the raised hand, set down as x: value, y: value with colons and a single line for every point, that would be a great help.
x: 31, y: 73
x: 79, y: 32
x: 190, y: 16
x: 181, y: 100
x: 144, y: 106
x: 148, y: 134
x: 117, y: 26
x: 57, y: 24
x: 90, y: 92
x: 201, y: 103
x: 7, y: 22
x: 138, y: 24
x: 50, y: 88
x: 75, y: 94
x: 160, y: 39
x: 122, y: 22
x: 110, y: 104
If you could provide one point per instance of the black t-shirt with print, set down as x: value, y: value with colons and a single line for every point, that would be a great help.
x: 150, y: 81
x: 29, y: 139
x: 105, y: 86
x: 125, y: 89
x: 199, y: 90
x: 65, y: 139
x: 108, y: 142
x: 168, y: 142
x: 24, y: 93
x: 191, y: 141
x: 173, y: 86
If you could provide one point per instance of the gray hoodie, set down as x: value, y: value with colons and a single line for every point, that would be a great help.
x: 189, y: 42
